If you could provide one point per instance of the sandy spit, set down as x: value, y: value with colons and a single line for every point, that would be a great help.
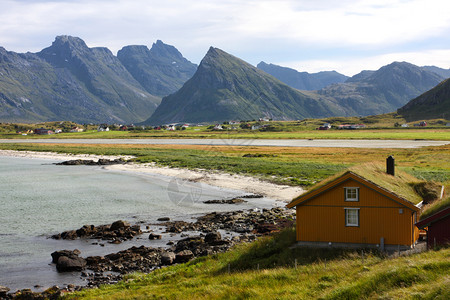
x: 215, y: 178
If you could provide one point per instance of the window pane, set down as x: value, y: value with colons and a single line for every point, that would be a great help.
x: 351, y: 194
x: 351, y: 217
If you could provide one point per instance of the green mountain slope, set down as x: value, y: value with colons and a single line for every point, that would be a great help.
x: 433, y: 104
x: 381, y: 91
x: 302, y: 80
x: 162, y: 70
x: 69, y: 81
x: 225, y: 87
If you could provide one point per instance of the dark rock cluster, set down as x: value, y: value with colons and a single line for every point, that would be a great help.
x: 225, y: 201
x: 115, y: 232
x: 239, y: 226
x: 249, y: 222
x: 90, y: 162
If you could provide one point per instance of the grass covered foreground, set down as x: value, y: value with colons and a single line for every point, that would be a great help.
x: 270, y: 269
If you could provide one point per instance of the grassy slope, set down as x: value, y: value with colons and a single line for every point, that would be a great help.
x: 266, y: 269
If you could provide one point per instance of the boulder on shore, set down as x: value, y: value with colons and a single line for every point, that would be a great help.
x: 153, y: 236
x: 184, y: 256
x: 120, y: 224
x: 212, y: 237
x: 3, y: 290
x: 168, y: 258
x: 67, y: 260
x: 68, y: 264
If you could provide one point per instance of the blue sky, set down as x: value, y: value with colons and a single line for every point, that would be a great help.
x: 308, y: 35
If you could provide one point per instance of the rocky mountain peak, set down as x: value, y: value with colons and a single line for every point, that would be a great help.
x: 164, y: 50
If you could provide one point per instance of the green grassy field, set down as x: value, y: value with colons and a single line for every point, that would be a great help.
x: 400, y: 134
x: 378, y: 127
x: 270, y: 269
x: 287, y: 165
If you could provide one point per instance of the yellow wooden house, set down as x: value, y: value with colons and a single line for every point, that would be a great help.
x: 362, y: 207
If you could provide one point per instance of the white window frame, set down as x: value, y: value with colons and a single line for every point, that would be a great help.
x: 351, y: 189
x: 351, y: 224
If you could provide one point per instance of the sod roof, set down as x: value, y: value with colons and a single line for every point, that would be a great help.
x: 434, y: 208
x: 401, y: 185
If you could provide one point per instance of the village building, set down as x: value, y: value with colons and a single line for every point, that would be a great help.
x: 365, y: 206
x: 43, y: 131
x: 76, y: 129
x: 437, y: 227
x: 103, y: 127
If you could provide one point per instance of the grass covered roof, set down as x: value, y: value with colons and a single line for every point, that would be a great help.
x: 402, y: 184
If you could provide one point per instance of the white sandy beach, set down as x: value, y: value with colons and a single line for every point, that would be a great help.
x: 238, y: 182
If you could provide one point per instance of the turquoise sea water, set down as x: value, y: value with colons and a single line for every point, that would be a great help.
x: 38, y: 199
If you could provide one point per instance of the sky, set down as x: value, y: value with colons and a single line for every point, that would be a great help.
x: 307, y: 35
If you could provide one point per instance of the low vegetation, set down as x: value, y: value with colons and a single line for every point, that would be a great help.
x: 387, y: 126
x: 287, y: 165
x: 270, y: 269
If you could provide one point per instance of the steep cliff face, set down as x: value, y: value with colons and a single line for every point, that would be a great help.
x: 162, y: 70
x: 69, y: 81
x: 225, y: 87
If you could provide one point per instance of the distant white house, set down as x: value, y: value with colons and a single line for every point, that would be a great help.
x: 103, y: 127
x: 234, y: 122
x: 405, y: 125
x: 58, y: 130
x: 77, y: 129
x: 218, y: 127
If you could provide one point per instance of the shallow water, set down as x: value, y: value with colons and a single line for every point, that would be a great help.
x: 39, y: 199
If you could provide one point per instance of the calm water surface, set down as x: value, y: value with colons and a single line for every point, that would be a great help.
x: 39, y: 199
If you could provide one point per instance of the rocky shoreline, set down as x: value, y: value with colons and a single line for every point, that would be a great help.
x: 209, y: 234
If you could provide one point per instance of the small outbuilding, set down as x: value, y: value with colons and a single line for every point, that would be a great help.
x: 437, y: 227
x: 365, y: 206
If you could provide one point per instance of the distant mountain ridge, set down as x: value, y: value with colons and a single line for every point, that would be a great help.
x: 226, y: 87
x: 381, y: 91
x: 368, y: 92
x: 302, y: 80
x: 162, y: 70
x: 70, y: 81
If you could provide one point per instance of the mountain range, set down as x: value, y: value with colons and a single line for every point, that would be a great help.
x: 162, y: 70
x: 70, y: 81
x: 369, y: 92
x: 302, y: 80
x: 225, y: 87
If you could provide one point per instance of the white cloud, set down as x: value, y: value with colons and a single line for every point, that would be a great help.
x: 253, y: 29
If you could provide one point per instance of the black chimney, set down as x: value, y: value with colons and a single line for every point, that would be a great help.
x: 390, y: 165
